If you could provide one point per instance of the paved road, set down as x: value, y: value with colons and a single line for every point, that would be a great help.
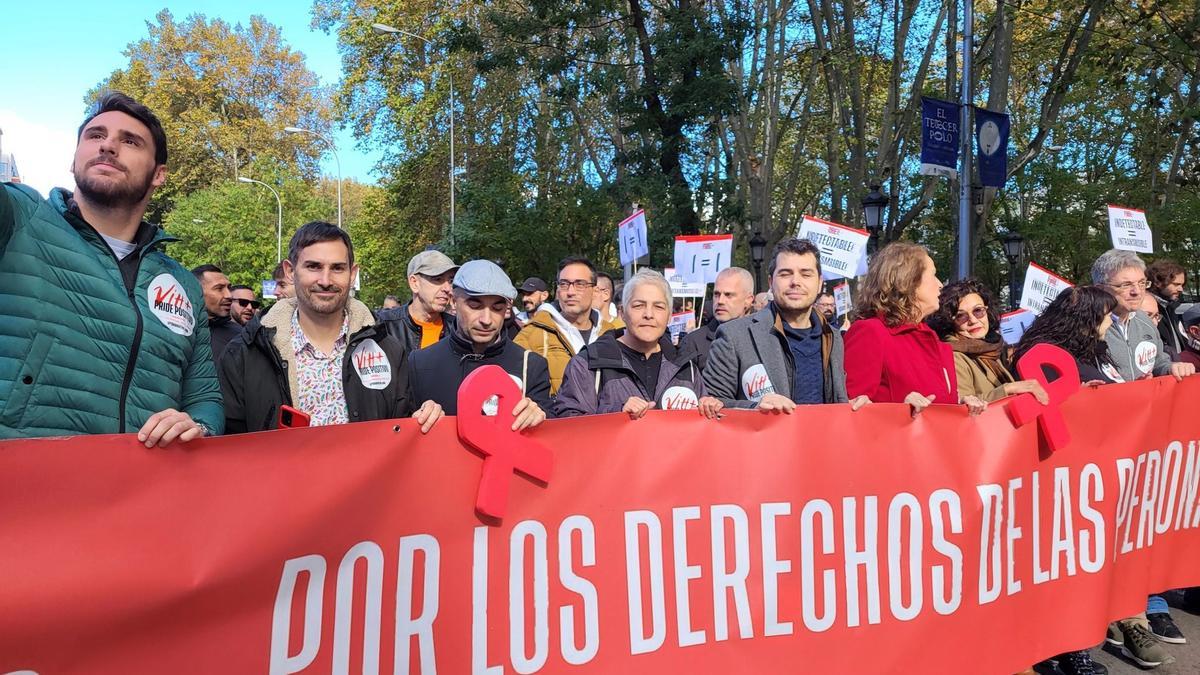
x: 1187, y: 656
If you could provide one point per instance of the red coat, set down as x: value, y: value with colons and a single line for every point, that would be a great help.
x: 888, y: 363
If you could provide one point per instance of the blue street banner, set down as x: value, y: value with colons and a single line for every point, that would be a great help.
x: 991, y: 142
x: 939, y: 137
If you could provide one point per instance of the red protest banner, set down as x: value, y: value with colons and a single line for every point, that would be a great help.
x: 668, y: 544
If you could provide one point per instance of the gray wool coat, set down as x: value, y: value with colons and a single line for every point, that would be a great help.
x: 750, y: 358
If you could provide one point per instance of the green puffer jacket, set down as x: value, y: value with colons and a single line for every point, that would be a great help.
x: 89, y: 345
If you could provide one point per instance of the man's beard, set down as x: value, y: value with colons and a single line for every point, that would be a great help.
x: 334, y: 306
x: 110, y: 196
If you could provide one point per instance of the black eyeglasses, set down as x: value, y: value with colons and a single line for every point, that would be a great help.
x: 579, y: 284
x: 243, y: 302
x: 963, y: 317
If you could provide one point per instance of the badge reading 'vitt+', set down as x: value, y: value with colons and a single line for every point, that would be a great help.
x: 169, y: 304
x: 755, y: 383
x: 371, y: 365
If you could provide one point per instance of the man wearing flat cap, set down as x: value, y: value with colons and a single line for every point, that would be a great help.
x: 423, y: 321
x: 482, y: 294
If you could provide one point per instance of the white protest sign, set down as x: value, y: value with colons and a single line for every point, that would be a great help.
x: 631, y: 238
x: 678, y: 325
x: 681, y: 288
x: 843, y: 249
x: 1014, y: 324
x: 1041, y: 287
x: 269, y: 286
x: 698, y: 258
x: 841, y: 297
x: 1129, y: 229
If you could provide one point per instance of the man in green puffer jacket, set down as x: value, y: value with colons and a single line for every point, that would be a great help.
x: 100, y: 331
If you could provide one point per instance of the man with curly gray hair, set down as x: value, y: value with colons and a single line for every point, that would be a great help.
x: 1137, y: 351
x: 1134, y: 341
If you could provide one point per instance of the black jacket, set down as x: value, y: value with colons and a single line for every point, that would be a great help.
x: 700, y: 341
x: 222, y: 330
x: 1170, y: 327
x: 256, y: 379
x: 400, y: 325
x: 436, y: 372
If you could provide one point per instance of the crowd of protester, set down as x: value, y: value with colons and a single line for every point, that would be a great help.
x: 104, y: 333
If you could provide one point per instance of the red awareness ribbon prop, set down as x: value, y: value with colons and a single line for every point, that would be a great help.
x: 1024, y: 408
x: 503, y: 449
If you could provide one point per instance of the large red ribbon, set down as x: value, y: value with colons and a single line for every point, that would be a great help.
x: 503, y: 449
x: 1025, y: 408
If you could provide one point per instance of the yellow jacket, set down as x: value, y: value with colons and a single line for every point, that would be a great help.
x: 545, y: 335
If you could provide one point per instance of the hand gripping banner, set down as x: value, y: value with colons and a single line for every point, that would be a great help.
x: 752, y: 544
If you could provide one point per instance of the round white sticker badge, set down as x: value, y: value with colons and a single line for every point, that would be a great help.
x: 491, y: 407
x: 1144, y: 356
x: 170, y: 304
x: 1111, y: 372
x: 679, y: 398
x: 372, y: 365
x: 755, y: 383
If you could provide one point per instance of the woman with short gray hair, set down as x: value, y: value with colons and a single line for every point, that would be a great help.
x: 639, y: 369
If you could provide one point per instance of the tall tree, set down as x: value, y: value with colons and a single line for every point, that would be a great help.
x: 224, y: 94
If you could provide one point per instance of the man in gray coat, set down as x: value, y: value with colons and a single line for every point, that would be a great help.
x: 1137, y: 351
x: 785, y: 354
x: 1133, y: 341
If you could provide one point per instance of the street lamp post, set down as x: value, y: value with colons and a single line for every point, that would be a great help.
x: 333, y: 148
x: 873, y: 205
x: 1014, y: 249
x: 278, y: 213
x: 758, y: 250
x: 384, y: 28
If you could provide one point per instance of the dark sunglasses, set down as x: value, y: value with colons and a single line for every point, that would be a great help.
x: 963, y: 317
x: 243, y: 302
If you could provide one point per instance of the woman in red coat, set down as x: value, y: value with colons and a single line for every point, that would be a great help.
x: 891, y: 355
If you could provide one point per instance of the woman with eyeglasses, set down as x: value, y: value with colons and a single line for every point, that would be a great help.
x: 967, y: 320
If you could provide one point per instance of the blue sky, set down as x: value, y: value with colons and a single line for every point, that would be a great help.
x: 56, y: 51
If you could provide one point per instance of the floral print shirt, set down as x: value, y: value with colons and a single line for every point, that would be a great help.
x: 319, y: 376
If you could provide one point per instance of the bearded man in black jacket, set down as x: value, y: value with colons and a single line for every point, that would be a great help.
x: 320, y: 352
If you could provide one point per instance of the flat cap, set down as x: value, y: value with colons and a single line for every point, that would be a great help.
x: 430, y: 263
x: 483, y: 277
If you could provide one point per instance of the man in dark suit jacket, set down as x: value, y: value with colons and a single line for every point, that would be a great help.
x: 733, y: 297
